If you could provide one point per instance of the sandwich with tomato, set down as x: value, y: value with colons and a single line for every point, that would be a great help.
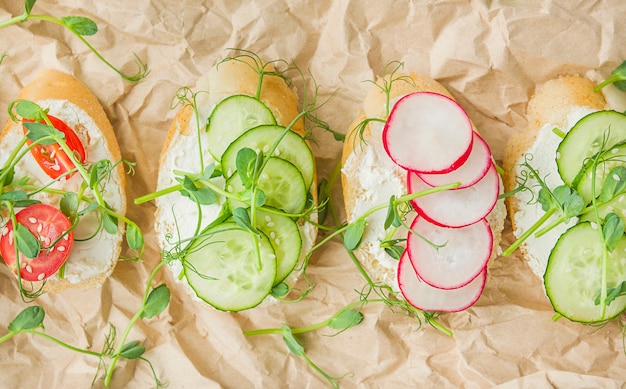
x: 62, y: 199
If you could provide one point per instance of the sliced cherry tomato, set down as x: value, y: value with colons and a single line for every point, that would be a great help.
x: 47, y: 224
x: 52, y: 159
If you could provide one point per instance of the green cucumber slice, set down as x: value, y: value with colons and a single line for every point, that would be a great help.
x: 284, y: 235
x: 292, y: 147
x: 282, y: 184
x: 225, y: 270
x: 592, y: 133
x: 574, y: 274
x: 232, y: 117
x: 607, y: 160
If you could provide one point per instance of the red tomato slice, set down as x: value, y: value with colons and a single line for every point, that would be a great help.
x: 46, y: 223
x: 52, y: 159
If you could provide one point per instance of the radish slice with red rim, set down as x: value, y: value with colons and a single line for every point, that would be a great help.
x: 472, y: 170
x: 428, y: 132
x: 458, y: 207
x: 431, y: 299
x: 459, y: 257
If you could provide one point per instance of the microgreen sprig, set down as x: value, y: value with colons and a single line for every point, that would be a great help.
x: 345, y: 318
x: 155, y: 301
x: 81, y: 27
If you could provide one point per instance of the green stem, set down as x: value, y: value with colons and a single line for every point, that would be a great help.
x: 528, y: 233
x: 131, y: 324
x: 63, y: 344
x: 7, y: 337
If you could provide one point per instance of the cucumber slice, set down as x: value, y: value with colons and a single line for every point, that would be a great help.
x: 616, y: 205
x: 607, y: 160
x: 285, y: 238
x: 574, y: 273
x: 592, y: 133
x: 292, y: 147
x: 222, y: 267
x: 232, y: 117
x: 282, y: 184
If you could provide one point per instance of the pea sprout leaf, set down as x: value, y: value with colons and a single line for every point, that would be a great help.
x: 28, y: 6
x: 346, y: 319
x: 80, y: 25
x: 29, y: 318
x: 395, y: 251
x: 292, y: 343
x: 109, y: 222
x: 612, y: 230
x: 40, y: 131
x: 69, y: 205
x: 132, y: 350
x: 354, y: 234
x: 26, y: 242
x: 157, y: 301
x: 245, y: 164
x: 614, y: 183
x: 242, y: 219
x: 392, y: 218
x: 134, y: 237
x: 281, y: 289
x: 27, y: 110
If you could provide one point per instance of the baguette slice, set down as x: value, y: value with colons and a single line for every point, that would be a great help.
x: 67, y: 98
x: 370, y: 178
x: 559, y: 103
x: 176, y: 216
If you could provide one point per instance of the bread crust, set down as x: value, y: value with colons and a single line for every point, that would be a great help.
x: 54, y: 84
x: 374, y: 107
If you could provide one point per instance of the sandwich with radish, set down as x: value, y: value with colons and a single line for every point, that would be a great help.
x: 236, y: 189
x: 414, y: 152
x: 567, y: 171
x: 62, y: 188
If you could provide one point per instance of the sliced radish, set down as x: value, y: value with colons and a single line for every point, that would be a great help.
x: 465, y: 252
x: 459, y: 207
x: 431, y: 299
x: 428, y: 132
x: 472, y: 170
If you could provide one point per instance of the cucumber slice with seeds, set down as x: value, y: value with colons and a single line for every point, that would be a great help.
x: 284, y: 235
x: 225, y: 269
x: 282, y: 184
x: 593, y: 133
x: 573, y: 277
x: 292, y: 147
x: 607, y: 160
x: 232, y: 117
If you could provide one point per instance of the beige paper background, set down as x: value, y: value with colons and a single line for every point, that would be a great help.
x: 489, y: 54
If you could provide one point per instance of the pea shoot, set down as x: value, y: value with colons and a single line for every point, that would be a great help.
x: 618, y: 78
x: 81, y: 27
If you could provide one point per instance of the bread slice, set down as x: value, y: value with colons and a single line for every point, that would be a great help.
x: 559, y: 103
x: 369, y: 177
x: 176, y: 216
x: 67, y: 98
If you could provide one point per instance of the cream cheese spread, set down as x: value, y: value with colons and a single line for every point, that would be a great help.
x: 542, y: 157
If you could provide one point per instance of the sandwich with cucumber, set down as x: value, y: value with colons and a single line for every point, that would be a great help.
x: 567, y: 173
x: 62, y: 188
x: 423, y: 184
x: 236, y: 189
